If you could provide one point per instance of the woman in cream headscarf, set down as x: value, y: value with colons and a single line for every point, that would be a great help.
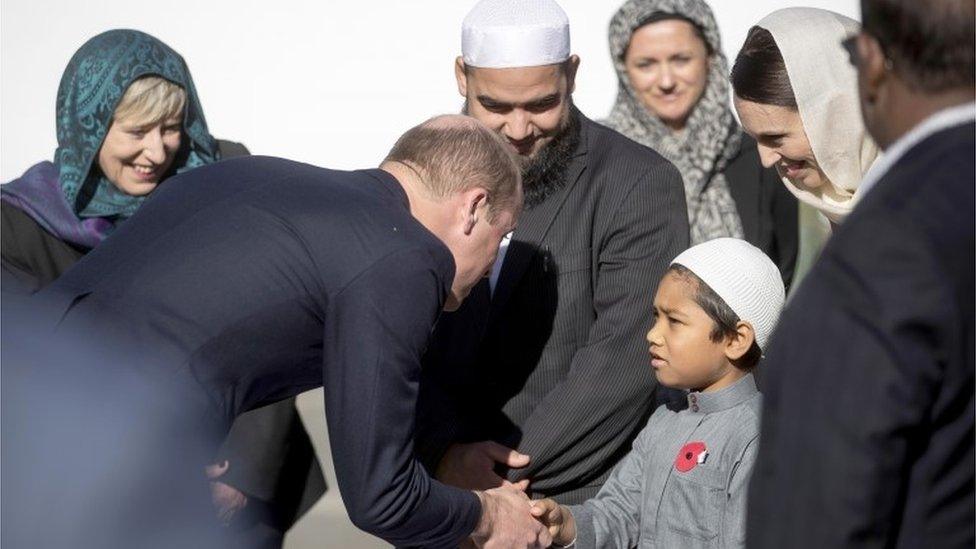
x: 673, y: 96
x: 796, y: 94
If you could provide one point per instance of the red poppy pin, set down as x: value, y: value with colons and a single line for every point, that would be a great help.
x: 691, y: 454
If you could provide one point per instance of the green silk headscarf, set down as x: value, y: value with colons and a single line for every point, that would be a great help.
x: 94, y: 82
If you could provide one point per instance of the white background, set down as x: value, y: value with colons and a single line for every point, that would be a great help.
x: 328, y: 82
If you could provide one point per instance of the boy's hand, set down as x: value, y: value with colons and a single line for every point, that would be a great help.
x: 561, y: 524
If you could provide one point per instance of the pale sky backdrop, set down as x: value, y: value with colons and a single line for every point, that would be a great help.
x: 329, y: 82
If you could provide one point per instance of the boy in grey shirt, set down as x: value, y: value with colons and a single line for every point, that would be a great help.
x: 683, y: 485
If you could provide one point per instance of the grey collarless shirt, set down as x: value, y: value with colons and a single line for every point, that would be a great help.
x: 684, y: 482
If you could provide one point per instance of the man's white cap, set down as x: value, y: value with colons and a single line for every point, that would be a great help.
x: 499, y: 34
x: 744, y: 277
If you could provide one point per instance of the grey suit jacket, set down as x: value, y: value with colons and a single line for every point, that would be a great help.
x: 554, y: 363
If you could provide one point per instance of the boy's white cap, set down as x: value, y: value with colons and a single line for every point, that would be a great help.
x: 744, y: 277
x: 500, y: 34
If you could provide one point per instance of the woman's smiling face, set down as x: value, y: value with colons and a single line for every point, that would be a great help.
x: 667, y: 64
x: 782, y: 142
x: 135, y: 157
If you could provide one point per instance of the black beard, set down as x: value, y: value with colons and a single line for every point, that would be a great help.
x: 546, y: 172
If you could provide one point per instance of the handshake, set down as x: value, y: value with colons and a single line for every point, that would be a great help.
x: 508, y: 517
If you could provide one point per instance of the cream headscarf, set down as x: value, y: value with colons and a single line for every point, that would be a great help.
x: 825, y: 85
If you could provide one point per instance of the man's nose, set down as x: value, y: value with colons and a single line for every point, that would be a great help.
x: 517, y: 126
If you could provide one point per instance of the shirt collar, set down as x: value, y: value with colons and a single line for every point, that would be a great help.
x: 729, y: 397
x: 944, y: 119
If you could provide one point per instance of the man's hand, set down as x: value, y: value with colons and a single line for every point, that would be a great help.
x: 506, y: 522
x: 561, y: 524
x: 472, y: 466
x: 226, y: 499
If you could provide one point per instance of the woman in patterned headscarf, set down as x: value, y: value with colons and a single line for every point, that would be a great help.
x: 673, y: 97
x: 127, y: 118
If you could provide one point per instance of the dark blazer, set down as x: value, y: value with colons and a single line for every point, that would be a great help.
x: 255, y: 279
x: 868, y: 422
x: 31, y: 257
x: 271, y: 456
x: 555, y: 363
x: 767, y: 209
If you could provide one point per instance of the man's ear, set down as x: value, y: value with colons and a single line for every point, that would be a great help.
x: 462, y: 78
x: 475, y: 205
x: 572, y: 65
x: 871, y: 66
x: 738, y: 345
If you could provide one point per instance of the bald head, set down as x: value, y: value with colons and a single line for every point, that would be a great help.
x: 452, y: 153
x: 452, y: 122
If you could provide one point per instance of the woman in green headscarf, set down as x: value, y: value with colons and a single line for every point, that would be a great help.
x: 128, y: 117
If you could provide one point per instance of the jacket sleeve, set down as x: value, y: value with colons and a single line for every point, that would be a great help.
x: 612, y: 518
x: 608, y: 391
x: 376, y: 330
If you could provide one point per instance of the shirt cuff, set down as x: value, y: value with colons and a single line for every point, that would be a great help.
x: 585, y: 535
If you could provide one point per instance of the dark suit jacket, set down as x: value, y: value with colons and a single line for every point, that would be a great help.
x: 768, y: 211
x: 255, y: 279
x: 555, y: 363
x: 867, y: 429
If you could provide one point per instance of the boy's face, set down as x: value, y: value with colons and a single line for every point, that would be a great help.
x: 682, y: 353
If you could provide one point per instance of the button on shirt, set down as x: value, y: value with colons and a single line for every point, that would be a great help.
x: 648, y: 502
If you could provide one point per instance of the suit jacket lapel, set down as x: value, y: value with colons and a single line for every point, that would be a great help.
x: 534, y: 225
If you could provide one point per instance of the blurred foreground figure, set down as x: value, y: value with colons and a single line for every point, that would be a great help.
x: 867, y: 434
x: 255, y: 279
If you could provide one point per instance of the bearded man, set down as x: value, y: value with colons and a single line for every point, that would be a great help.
x: 541, y: 378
